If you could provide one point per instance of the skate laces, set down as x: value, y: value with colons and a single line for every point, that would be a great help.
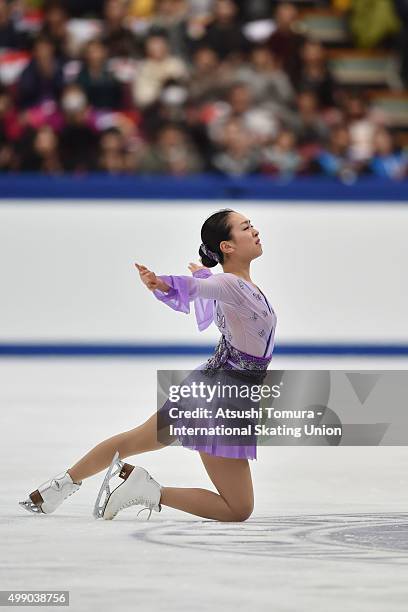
x: 141, y: 500
x: 138, y: 500
x: 150, y: 512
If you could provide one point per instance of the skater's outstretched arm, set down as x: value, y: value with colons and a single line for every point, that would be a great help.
x: 178, y: 291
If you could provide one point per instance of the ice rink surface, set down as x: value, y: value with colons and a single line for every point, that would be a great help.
x: 329, y: 531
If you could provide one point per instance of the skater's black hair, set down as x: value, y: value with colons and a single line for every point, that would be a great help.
x: 215, y: 229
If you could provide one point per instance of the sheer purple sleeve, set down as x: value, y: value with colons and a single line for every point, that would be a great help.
x: 203, y: 307
x: 202, y: 288
x: 178, y: 297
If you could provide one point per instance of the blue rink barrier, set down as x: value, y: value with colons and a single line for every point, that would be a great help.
x: 200, y: 187
x: 123, y: 349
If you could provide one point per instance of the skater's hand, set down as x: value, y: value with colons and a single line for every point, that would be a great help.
x: 150, y: 279
x: 193, y: 267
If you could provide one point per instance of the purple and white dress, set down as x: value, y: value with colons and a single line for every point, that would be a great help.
x: 247, y: 323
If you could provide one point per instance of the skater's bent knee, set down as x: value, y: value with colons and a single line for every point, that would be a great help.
x: 242, y: 513
x: 242, y: 516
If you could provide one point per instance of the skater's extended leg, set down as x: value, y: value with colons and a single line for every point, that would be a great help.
x: 52, y: 493
x: 138, y: 440
x: 231, y: 477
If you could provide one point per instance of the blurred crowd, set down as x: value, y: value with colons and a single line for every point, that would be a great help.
x: 182, y: 87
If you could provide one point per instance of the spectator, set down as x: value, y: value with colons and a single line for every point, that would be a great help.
x: 6, y: 154
x: 201, y: 9
x: 262, y: 106
x: 361, y: 126
x: 6, y: 150
x: 42, y: 79
x: 309, y: 126
x: 388, y: 161
x: 285, y: 43
x: 263, y: 75
x: 11, y: 124
x: 224, y: 33
x: 171, y: 19
x: 113, y: 155
x: 258, y: 121
x: 55, y: 27
x: 281, y: 158
x: 206, y: 81
x: 101, y: 88
x: 172, y: 153
x: 40, y: 152
x: 158, y: 67
x: 238, y: 156
x: 10, y: 38
x: 170, y: 107
x: 337, y: 159
x: 314, y: 74
x: 78, y: 140
x: 117, y: 38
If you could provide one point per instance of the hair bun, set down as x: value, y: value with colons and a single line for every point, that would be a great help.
x: 206, y: 260
x: 210, y: 254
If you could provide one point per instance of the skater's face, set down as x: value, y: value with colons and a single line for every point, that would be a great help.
x: 244, y: 244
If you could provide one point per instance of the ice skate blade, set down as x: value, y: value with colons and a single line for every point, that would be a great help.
x: 99, y: 508
x: 30, y: 507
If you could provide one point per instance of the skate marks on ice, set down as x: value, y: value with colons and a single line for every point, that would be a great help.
x: 374, y: 537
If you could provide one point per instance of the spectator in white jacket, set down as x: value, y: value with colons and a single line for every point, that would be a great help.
x: 155, y: 70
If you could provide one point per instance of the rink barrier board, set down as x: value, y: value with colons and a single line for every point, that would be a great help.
x: 31, y: 188
x: 202, y: 187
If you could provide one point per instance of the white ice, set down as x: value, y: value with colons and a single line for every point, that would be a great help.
x: 329, y: 531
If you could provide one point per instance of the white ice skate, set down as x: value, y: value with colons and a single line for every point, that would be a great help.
x: 51, y: 494
x: 138, y: 487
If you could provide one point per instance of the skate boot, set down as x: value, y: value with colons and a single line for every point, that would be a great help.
x: 51, y: 494
x: 138, y: 487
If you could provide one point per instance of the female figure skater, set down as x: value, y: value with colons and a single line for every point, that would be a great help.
x: 247, y: 323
